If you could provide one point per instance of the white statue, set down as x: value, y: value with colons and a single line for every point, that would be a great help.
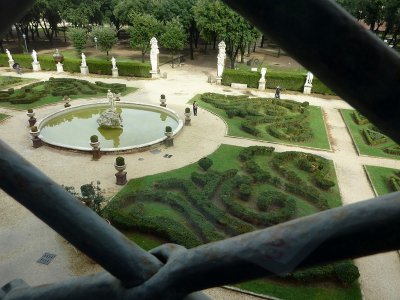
x: 83, y: 64
x: 9, y: 54
x: 221, y: 58
x: 114, y: 62
x: 310, y: 77
x: 111, y: 98
x: 34, y: 56
x: 154, y: 55
x: 263, y: 72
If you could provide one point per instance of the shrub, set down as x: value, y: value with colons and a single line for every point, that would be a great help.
x: 394, y: 150
x: 394, y: 183
x: 120, y: 161
x: 346, y: 272
x: 239, y: 76
x: 87, y: 190
x: 94, y: 139
x: 106, y: 37
x: 30, y: 110
x: 162, y: 96
x: 78, y: 38
x: 34, y: 129
x: 205, y: 163
x: 313, y: 274
x: 187, y: 110
x: 168, y: 129
x: 244, y: 191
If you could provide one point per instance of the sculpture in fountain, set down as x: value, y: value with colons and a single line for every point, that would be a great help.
x: 110, y: 118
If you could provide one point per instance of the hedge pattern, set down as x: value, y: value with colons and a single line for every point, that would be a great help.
x: 283, y: 119
x: 96, y: 66
x: 57, y: 87
x: 285, y: 80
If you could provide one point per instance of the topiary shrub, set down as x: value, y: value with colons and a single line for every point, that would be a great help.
x: 94, y: 139
x: 30, y: 110
x: 187, y: 110
x: 205, y: 163
x: 120, y: 161
x: 34, y: 129
x: 346, y: 272
x: 244, y: 191
x: 168, y: 129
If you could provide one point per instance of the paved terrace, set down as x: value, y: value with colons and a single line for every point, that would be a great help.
x: 24, y: 238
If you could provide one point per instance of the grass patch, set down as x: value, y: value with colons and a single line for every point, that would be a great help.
x: 380, y: 178
x: 3, y: 117
x: 314, y: 122
x: 10, y: 81
x: 199, y: 201
x: 360, y: 140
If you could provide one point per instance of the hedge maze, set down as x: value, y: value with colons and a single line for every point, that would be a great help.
x: 57, y: 87
x: 368, y: 138
x: 212, y: 204
x: 384, y: 180
x: 270, y: 119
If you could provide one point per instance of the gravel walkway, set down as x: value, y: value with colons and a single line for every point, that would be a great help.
x: 24, y: 238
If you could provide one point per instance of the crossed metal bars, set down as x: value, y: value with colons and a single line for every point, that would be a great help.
x: 326, y: 40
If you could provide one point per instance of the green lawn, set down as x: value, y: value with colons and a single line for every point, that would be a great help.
x: 3, y: 116
x: 10, y: 81
x: 316, y: 123
x: 128, y: 205
x: 359, y: 140
x: 380, y: 179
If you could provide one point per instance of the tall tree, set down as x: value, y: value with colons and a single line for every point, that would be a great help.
x: 123, y: 9
x: 106, y: 37
x: 173, y: 37
x: 78, y: 38
x: 143, y: 28
x: 82, y: 12
x: 49, y: 17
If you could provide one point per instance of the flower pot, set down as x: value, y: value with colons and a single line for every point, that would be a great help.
x: 120, y: 168
x: 34, y: 134
x: 95, y: 145
x: 30, y: 115
x: 58, y: 58
x: 168, y: 134
x: 187, y: 115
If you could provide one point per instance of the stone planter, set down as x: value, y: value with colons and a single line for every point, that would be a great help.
x: 95, y: 145
x: 187, y: 118
x: 58, y: 57
x: 66, y: 105
x: 30, y: 115
x: 168, y: 134
x: 34, y: 134
x: 163, y: 101
x: 120, y: 168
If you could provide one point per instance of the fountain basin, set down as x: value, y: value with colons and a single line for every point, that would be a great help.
x: 143, y: 127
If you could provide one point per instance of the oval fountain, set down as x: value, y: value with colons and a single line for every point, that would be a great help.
x: 143, y: 126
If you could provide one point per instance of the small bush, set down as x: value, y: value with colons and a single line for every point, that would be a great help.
x: 346, y: 272
x: 168, y: 129
x: 244, y: 191
x: 205, y: 163
x: 120, y: 161
x: 187, y: 110
x: 94, y: 138
x: 34, y: 129
x: 30, y: 110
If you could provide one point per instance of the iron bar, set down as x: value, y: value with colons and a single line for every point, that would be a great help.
x: 74, y: 221
x: 324, y: 38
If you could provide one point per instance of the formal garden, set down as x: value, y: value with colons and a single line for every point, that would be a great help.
x: 52, y: 91
x: 268, y: 119
x: 384, y: 180
x: 368, y: 139
x: 233, y: 191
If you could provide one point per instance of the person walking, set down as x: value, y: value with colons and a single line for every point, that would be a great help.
x: 195, y: 108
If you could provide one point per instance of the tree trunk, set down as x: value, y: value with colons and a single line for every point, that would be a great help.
x: 248, y: 49
x: 191, y: 38
x: 196, y: 38
x: 214, y: 41
x: 205, y: 47
x: 172, y: 55
x: 1, y: 46
x: 255, y: 45
x: 143, y: 53
x: 262, y: 41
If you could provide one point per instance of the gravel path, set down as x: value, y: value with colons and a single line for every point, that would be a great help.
x: 24, y: 238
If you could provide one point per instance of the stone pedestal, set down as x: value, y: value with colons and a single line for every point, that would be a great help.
x: 96, y: 154
x: 261, y: 85
x: 169, y: 142
x: 84, y: 70
x: 120, y: 178
x: 37, y: 142
x: 36, y: 66
x: 187, y: 122
x: 154, y: 74
x: 307, y: 89
x: 114, y: 72
x: 32, y: 121
x: 219, y: 80
x: 11, y: 64
x: 60, y: 68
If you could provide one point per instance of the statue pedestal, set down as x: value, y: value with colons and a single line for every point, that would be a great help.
x: 154, y: 74
x: 36, y: 66
x: 11, y: 63
x: 169, y: 142
x: 37, y: 142
x: 32, y: 121
x: 60, y: 68
x: 187, y: 122
x: 219, y: 80
x: 307, y: 89
x: 96, y: 154
x: 114, y: 72
x: 261, y: 85
x: 84, y: 70
x: 120, y: 178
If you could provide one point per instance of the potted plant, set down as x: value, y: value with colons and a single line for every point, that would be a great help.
x: 94, y: 142
x: 67, y: 99
x: 34, y: 131
x: 187, y: 113
x: 168, y: 131
x: 58, y: 57
x: 30, y: 113
x: 120, y: 164
x: 163, y: 100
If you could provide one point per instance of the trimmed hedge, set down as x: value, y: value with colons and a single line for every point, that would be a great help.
x: 359, y: 118
x: 205, y: 163
x: 394, y: 183
x: 374, y: 138
x: 394, y: 150
x: 239, y: 76
x: 96, y: 66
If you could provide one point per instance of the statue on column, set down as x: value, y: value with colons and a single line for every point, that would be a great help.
x: 83, y: 64
x: 154, y: 55
x: 114, y: 62
x: 263, y: 72
x: 310, y: 78
x: 34, y: 56
x: 221, y: 58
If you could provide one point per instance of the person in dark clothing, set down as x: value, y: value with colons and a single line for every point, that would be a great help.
x: 195, y: 108
x: 278, y: 92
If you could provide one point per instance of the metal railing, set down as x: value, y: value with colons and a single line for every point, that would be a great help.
x: 353, y: 63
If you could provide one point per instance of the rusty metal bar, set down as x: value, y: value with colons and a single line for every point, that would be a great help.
x: 74, y: 221
x: 324, y: 38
